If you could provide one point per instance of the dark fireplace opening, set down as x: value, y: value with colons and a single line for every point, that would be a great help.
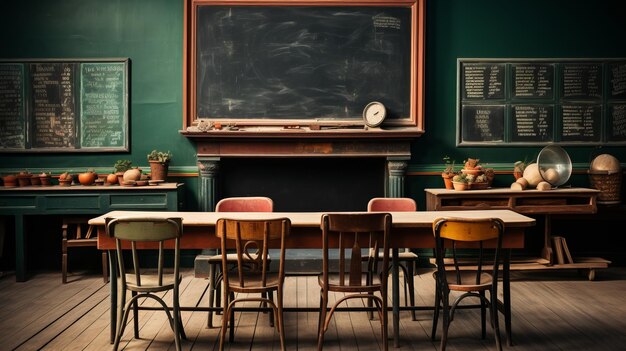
x: 304, y: 184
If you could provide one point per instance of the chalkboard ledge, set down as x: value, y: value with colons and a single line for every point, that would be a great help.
x: 297, y: 132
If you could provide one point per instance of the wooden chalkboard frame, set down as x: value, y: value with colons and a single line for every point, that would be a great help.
x: 406, y: 125
x: 114, y: 75
x: 553, y: 102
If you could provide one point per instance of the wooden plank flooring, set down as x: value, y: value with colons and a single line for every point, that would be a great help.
x: 552, y: 310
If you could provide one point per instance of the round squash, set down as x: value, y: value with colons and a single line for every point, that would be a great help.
x: 532, y: 175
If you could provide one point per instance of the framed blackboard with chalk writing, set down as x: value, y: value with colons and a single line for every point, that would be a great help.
x: 283, y: 63
x: 532, y: 102
x: 64, y: 105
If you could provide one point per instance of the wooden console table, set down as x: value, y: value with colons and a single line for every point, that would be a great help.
x: 78, y: 199
x: 565, y: 201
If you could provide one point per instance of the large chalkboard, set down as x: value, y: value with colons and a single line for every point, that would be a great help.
x: 73, y: 105
x: 541, y: 101
x: 292, y: 61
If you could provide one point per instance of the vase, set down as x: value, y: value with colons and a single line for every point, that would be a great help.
x: 459, y: 185
x: 158, y: 170
x: 447, y: 180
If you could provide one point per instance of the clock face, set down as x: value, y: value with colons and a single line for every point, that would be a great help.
x: 374, y: 114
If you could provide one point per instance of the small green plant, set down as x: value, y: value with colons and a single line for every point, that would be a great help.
x: 122, y: 166
x: 448, y: 166
x: 160, y: 156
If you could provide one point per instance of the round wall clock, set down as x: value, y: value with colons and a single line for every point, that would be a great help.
x: 374, y: 114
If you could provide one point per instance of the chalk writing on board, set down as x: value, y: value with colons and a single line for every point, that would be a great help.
x: 102, y: 104
x: 533, y: 81
x: 618, y: 122
x: 54, y: 104
x: 617, y: 80
x: 484, y: 81
x: 302, y: 62
x: 581, y: 122
x: 483, y: 122
x: 582, y: 81
x: 532, y: 123
x: 12, y: 120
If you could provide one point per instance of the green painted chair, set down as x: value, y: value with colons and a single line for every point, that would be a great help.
x: 145, y: 282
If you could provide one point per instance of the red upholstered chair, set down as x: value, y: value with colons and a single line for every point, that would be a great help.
x: 406, y: 258
x: 232, y: 204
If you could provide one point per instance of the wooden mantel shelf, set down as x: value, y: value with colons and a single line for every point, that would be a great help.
x: 305, y: 132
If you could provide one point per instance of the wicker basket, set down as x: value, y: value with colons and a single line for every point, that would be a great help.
x: 609, y: 184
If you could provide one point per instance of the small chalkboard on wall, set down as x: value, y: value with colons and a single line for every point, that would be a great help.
x: 540, y: 101
x: 64, y: 105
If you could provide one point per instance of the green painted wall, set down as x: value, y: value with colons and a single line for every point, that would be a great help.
x: 150, y: 33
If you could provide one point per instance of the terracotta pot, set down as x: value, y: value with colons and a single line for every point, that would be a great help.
x: 34, y: 180
x: 111, y: 179
x: 24, y: 179
x: 10, y: 181
x: 459, y: 186
x: 158, y: 170
x: 447, y: 180
x: 65, y: 182
x: 45, y: 179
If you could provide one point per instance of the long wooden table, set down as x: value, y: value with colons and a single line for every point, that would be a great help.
x: 409, y: 229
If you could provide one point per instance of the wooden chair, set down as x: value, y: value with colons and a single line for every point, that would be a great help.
x: 232, y: 204
x: 250, y: 274
x: 140, y: 283
x: 354, y: 232
x: 72, y: 231
x: 407, y: 259
x: 470, y: 280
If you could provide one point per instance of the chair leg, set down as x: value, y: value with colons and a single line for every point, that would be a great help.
x: 483, y: 313
x: 322, y: 320
x: 446, y: 318
x: 436, y: 311
x: 225, y: 323
x: 212, y: 289
x: 270, y: 296
x: 122, y: 315
x: 230, y: 316
x: 280, y: 322
x: 494, y: 319
x: 411, y: 283
x: 384, y: 322
x: 135, y: 316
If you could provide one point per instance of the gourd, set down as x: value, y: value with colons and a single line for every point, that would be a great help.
x: 532, y: 175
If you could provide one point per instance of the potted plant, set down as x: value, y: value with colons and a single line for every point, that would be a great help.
x: 448, y: 172
x: 44, y: 179
x: 23, y: 178
x: 87, y: 178
x: 65, y: 179
x: 460, y: 181
x: 159, y: 164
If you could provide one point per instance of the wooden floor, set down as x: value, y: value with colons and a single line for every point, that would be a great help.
x: 551, y: 311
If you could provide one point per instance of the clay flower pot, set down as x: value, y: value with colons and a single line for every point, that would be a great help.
x: 447, y: 180
x: 460, y: 185
x: 45, y: 179
x: 158, y: 170
x: 23, y: 178
x: 10, y: 181
x: 87, y: 178
x: 35, y: 180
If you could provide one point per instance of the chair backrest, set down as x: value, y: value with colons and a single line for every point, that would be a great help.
x: 245, y: 204
x: 391, y: 204
x: 251, y: 239
x: 138, y: 230
x: 354, y: 232
x: 472, y: 233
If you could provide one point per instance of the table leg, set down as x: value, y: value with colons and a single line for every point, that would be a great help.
x: 113, y: 291
x: 506, y: 292
x: 20, y: 249
x: 395, y: 297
